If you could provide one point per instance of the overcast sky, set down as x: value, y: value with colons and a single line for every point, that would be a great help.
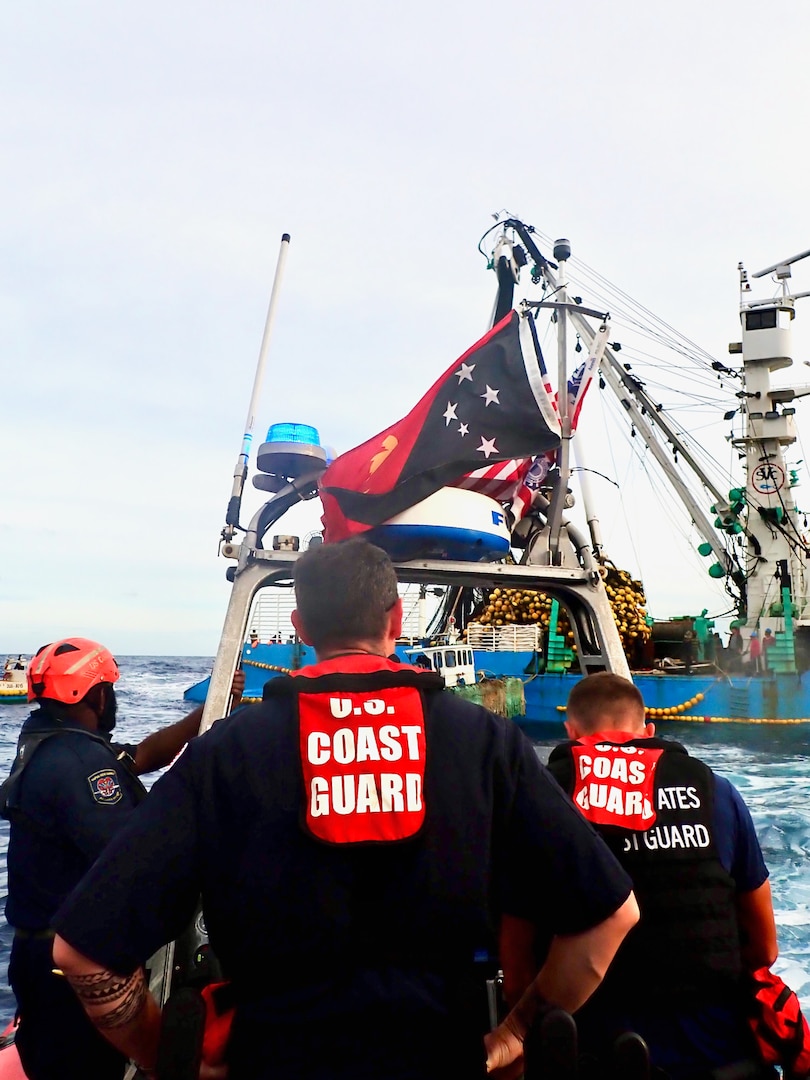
x: 153, y: 153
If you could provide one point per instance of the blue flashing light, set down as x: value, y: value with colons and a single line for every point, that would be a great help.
x: 293, y: 433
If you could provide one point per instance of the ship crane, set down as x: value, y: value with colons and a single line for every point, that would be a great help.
x: 639, y: 409
x: 508, y: 258
x: 771, y: 578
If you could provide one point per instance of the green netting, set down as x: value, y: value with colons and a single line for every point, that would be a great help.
x: 502, y: 696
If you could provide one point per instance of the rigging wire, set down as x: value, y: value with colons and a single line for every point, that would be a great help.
x: 647, y: 317
x: 699, y: 383
x: 630, y: 532
x: 691, y: 401
x: 657, y: 485
x: 710, y: 464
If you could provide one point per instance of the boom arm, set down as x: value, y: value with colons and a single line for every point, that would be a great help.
x: 614, y: 376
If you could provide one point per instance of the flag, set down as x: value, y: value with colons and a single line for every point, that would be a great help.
x: 504, y: 481
x: 578, y: 384
x: 500, y: 482
x: 543, y: 369
x: 489, y: 407
x: 576, y: 392
x: 516, y: 482
x: 532, y: 482
x: 582, y: 377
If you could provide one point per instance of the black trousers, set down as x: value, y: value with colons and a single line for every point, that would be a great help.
x: 55, y: 1039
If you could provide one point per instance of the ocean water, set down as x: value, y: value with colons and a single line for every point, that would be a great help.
x: 770, y: 765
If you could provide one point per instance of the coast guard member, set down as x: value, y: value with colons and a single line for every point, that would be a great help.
x: 69, y: 792
x: 687, y: 840
x: 356, y: 838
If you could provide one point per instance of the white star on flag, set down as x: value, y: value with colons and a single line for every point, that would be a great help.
x: 451, y: 434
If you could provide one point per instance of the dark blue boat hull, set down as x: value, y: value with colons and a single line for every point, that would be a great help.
x: 704, y: 698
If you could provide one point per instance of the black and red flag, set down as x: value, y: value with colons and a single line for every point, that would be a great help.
x: 490, y: 406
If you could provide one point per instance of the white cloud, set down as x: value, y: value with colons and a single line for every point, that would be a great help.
x: 153, y: 155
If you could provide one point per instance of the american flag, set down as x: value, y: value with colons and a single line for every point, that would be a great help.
x: 583, y: 375
x: 501, y: 482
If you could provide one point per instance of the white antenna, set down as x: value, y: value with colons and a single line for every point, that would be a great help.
x: 781, y: 269
x: 240, y: 471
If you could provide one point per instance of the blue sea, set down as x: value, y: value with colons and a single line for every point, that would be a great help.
x: 769, y: 764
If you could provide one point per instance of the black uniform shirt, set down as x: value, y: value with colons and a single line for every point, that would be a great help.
x: 351, y: 942
x: 73, y: 797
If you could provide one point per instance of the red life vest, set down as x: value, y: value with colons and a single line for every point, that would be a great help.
x: 614, y: 782
x: 362, y: 748
x: 687, y: 942
x: 779, y: 1027
x: 219, y: 1014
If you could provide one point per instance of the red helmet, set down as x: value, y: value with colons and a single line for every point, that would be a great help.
x: 65, y: 670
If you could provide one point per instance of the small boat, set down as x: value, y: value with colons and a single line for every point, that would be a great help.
x: 14, y: 683
x: 454, y: 661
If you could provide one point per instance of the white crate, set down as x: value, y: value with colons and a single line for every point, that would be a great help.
x: 511, y: 638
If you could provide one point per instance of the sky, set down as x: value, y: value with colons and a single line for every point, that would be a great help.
x: 154, y: 153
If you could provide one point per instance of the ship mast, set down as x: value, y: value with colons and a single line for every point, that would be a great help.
x: 774, y: 577
x: 640, y: 409
x: 770, y: 572
x: 777, y: 550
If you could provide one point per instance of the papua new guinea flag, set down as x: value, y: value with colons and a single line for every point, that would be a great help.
x: 490, y: 406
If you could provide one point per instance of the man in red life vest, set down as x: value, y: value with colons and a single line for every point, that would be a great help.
x: 767, y: 643
x: 357, y: 838
x: 755, y: 653
x: 687, y: 840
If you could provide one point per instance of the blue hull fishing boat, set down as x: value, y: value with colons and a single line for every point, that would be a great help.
x: 715, y: 698
x: 533, y: 595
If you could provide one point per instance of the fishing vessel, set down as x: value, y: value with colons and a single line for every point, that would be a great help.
x: 520, y: 585
x: 537, y: 597
x: 470, y: 552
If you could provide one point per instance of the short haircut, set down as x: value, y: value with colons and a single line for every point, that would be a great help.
x: 344, y: 592
x: 605, y: 702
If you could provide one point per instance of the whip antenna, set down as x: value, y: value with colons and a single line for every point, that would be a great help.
x: 241, y: 468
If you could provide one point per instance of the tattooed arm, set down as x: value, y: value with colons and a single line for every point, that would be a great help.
x: 120, y: 1006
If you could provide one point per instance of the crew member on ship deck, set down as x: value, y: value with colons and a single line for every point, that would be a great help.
x: 687, y: 840
x: 356, y: 838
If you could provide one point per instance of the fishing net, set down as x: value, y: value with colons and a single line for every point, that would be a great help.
x: 502, y: 696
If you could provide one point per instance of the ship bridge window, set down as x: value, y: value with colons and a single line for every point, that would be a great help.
x: 760, y: 319
x: 450, y: 659
x: 437, y: 660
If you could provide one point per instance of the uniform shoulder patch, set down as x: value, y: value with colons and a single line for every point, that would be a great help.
x: 105, y: 787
